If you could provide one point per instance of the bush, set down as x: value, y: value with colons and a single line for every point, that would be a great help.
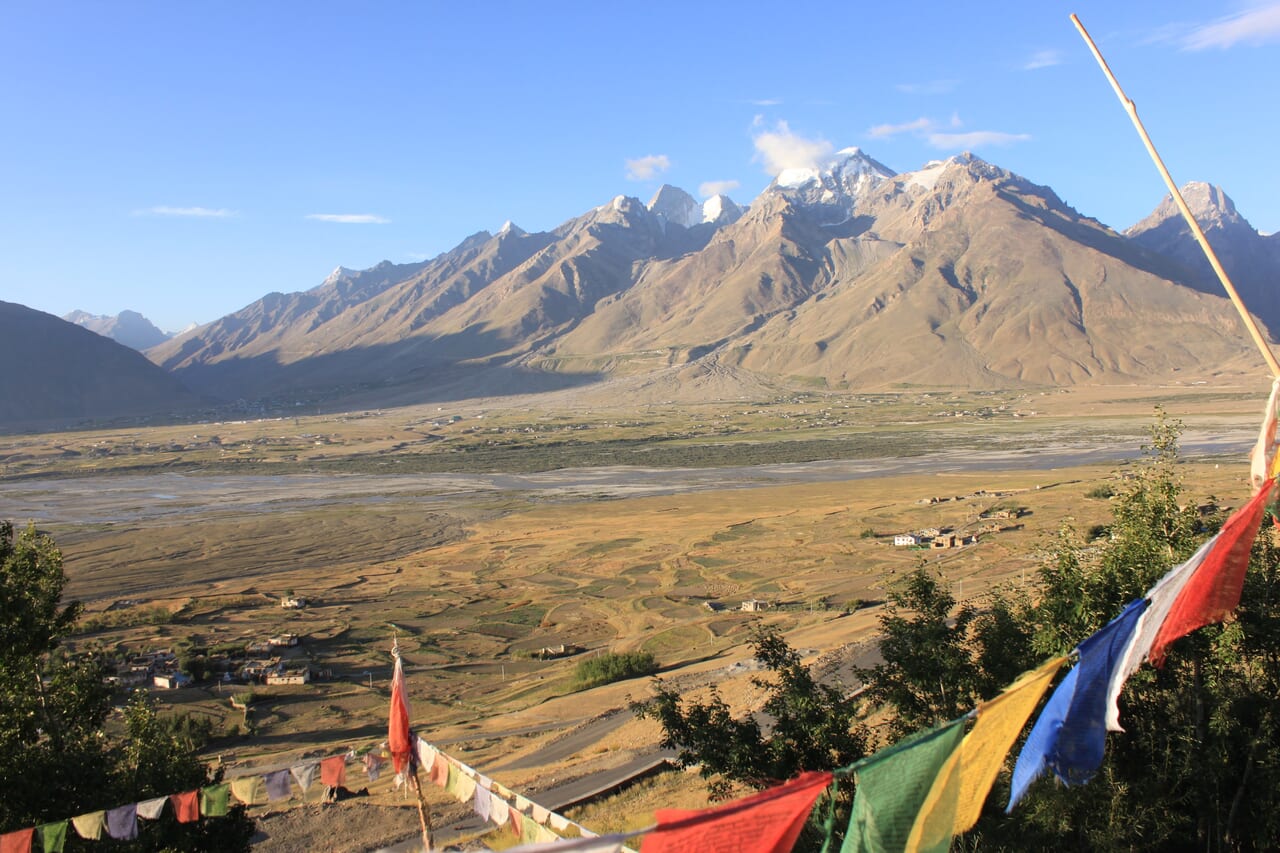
x: 611, y: 667
x: 1103, y: 492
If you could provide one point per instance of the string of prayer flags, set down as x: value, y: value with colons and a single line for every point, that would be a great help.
x: 305, y: 774
x: 954, y: 802
x: 152, y: 809
x: 250, y: 790
x: 1070, y: 735
x: 277, y: 785
x: 186, y: 806
x: 53, y: 836
x: 892, y: 785
x: 122, y: 822
x: 766, y: 822
x: 89, y: 826
x: 215, y: 800
x: 18, y: 841
x: 597, y: 844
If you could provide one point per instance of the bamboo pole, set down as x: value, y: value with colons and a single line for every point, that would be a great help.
x: 1196, y: 231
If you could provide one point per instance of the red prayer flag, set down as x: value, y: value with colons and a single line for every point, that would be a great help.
x: 1213, y: 592
x: 186, y: 806
x: 333, y: 771
x: 516, y: 818
x: 399, y: 743
x: 18, y: 841
x: 767, y: 822
x: 440, y: 771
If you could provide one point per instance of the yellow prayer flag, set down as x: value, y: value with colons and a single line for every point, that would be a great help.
x: 250, y: 790
x: 955, y: 800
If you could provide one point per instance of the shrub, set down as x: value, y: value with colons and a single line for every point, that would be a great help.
x: 613, y: 666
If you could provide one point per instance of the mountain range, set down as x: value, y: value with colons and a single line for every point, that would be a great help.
x: 847, y: 276
x: 128, y: 327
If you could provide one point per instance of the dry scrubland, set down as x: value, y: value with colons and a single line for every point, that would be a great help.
x: 474, y: 581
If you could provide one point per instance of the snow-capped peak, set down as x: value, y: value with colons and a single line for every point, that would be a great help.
x: 674, y: 205
x: 833, y: 186
x: 511, y: 228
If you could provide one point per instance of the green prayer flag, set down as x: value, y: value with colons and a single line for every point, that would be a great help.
x: 214, y: 800
x: 53, y: 836
x: 892, y: 786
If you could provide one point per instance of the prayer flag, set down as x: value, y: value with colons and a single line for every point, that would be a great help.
x: 516, y: 820
x: 1161, y: 598
x: 465, y: 788
x: 277, y: 784
x: 249, y: 790
x: 122, y: 822
x: 215, y: 800
x: 186, y: 806
x: 426, y: 754
x: 1213, y: 592
x: 18, y: 841
x: 1070, y: 736
x: 53, y: 836
x: 372, y: 766
x: 954, y: 803
x: 333, y: 771
x: 766, y: 822
x: 892, y: 785
x: 482, y: 803
x: 440, y: 771
x: 399, y: 741
x: 89, y: 826
x: 1262, y: 459
x: 305, y: 774
x: 152, y: 809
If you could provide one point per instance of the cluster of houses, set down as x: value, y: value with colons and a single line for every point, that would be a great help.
x: 932, y: 537
x: 260, y: 663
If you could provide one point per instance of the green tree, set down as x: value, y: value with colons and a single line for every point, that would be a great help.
x: 810, y: 725
x: 56, y: 757
x: 1196, y: 767
x: 940, y: 660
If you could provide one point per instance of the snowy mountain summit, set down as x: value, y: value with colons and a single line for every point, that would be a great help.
x: 831, y: 188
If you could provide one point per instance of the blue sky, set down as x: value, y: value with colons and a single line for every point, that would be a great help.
x: 185, y: 159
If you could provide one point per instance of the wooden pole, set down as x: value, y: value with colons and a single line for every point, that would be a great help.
x: 1196, y: 231
x: 424, y: 814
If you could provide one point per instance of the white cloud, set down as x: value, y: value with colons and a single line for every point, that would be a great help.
x: 885, y: 131
x: 349, y: 218
x: 781, y: 149
x: 1255, y: 26
x: 767, y: 102
x: 1043, y: 59
x: 975, y: 139
x: 164, y: 210
x: 647, y: 168
x: 710, y: 188
x: 929, y: 87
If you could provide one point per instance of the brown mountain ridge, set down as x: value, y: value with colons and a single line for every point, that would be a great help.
x: 958, y: 274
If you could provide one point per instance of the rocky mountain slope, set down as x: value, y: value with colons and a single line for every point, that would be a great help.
x: 846, y: 276
x: 1250, y: 259
x: 59, y: 374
